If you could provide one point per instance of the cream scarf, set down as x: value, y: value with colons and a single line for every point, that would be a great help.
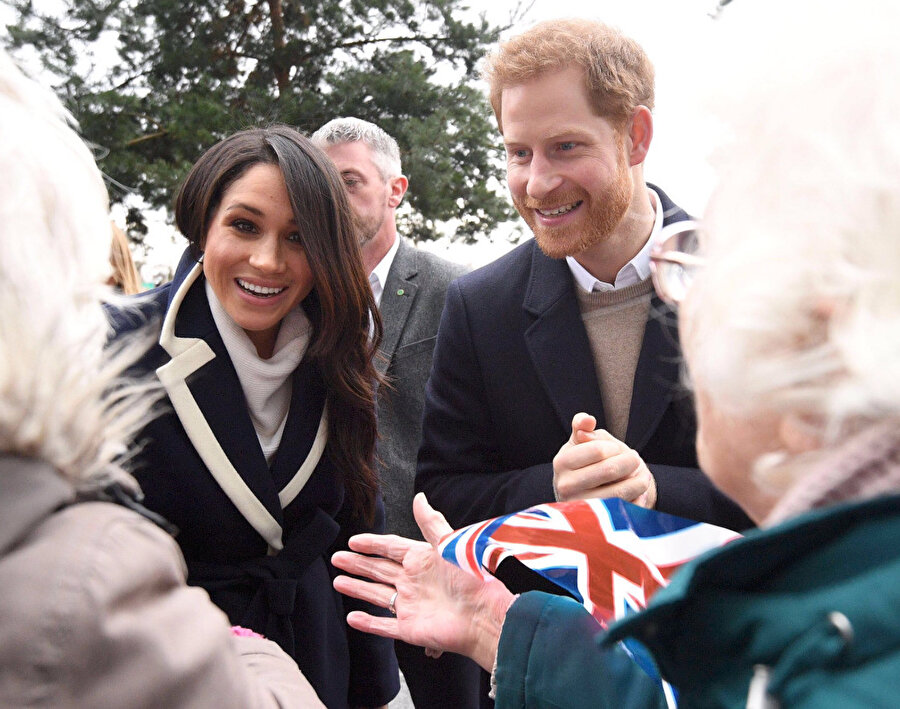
x: 266, y: 382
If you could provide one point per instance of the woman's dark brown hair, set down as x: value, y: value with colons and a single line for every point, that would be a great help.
x: 340, y: 306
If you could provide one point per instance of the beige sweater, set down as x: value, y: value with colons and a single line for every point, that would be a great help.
x: 615, y: 323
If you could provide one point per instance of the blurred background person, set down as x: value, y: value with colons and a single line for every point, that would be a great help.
x: 94, y: 611
x: 790, y: 323
x: 124, y: 277
x: 264, y: 460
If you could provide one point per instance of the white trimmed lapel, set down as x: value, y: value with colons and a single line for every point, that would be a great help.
x: 188, y: 355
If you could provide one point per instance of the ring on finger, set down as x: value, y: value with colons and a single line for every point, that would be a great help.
x: 391, y: 607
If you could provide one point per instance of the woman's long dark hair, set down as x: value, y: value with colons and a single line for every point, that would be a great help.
x: 340, y: 306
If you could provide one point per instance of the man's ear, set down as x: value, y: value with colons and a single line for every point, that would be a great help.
x: 398, y: 187
x: 640, y: 135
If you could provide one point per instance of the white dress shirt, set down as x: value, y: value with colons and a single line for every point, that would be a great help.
x: 635, y: 271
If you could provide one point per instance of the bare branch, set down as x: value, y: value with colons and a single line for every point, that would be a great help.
x: 150, y: 136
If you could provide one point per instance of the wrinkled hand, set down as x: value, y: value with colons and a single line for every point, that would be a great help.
x: 438, y: 606
x: 593, y: 463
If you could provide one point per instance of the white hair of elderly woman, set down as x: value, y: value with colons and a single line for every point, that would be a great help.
x: 57, y: 402
x: 800, y: 305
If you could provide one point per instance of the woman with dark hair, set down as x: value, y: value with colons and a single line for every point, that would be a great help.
x: 265, y: 459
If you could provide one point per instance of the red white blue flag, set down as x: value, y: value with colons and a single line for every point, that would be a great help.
x: 609, y: 555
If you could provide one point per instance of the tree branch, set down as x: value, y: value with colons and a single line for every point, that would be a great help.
x: 150, y: 136
x: 281, y: 73
x: 363, y: 42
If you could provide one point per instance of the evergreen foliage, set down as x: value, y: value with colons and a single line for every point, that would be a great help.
x: 155, y: 82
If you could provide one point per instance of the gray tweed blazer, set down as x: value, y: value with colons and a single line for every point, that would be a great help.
x: 411, y: 308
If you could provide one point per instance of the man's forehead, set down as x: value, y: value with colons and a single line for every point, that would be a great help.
x: 351, y: 154
x: 546, y: 95
x: 573, y: 76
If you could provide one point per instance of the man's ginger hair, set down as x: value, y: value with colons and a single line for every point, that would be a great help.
x: 618, y: 74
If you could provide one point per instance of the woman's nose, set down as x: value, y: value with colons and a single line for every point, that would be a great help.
x: 267, y: 254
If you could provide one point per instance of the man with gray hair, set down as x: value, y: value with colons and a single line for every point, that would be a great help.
x: 409, y: 286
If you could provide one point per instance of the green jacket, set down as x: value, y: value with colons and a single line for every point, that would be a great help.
x: 811, y: 607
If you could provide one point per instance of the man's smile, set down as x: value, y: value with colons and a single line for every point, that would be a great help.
x: 557, y: 211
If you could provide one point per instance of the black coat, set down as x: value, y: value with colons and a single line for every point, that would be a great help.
x: 257, y: 539
x: 513, y: 365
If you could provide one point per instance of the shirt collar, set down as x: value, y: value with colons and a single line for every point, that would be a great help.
x: 379, y: 274
x: 635, y: 271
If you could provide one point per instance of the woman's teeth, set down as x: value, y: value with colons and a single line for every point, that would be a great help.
x: 259, y: 290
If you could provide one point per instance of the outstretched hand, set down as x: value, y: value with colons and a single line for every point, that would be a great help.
x: 438, y: 606
x: 594, y: 463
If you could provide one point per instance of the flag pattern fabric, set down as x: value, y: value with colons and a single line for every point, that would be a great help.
x: 610, y: 555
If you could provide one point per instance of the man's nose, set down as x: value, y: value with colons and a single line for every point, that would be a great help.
x: 543, y: 177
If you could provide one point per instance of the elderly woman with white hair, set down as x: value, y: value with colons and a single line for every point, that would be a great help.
x: 790, y: 323
x: 95, y: 611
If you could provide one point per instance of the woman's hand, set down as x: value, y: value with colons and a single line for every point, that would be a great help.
x: 437, y: 605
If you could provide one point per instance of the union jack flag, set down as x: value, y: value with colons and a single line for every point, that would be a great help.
x: 609, y: 555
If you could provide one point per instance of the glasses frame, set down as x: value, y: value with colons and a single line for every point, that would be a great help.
x: 664, y: 251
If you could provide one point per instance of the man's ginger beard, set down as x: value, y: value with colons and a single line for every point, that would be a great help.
x: 605, y: 210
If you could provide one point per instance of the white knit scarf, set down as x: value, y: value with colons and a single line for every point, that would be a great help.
x: 266, y: 382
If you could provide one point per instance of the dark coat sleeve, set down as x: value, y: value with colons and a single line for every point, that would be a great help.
x: 538, y: 629
x: 460, y: 466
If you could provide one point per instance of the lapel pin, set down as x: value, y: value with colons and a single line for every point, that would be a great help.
x: 400, y: 291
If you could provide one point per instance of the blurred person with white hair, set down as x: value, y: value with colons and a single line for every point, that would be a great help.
x: 790, y: 322
x: 95, y: 611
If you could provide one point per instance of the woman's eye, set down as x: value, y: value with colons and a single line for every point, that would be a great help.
x: 244, y: 226
x: 295, y: 238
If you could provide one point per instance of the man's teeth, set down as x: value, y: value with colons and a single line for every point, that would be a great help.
x: 559, y: 210
x: 258, y: 290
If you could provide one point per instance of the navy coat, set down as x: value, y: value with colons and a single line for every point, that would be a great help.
x: 259, y: 540
x: 513, y: 365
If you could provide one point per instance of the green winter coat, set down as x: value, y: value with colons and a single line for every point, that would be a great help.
x: 811, y: 608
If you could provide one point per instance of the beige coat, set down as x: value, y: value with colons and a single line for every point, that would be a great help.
x: 94, y: 612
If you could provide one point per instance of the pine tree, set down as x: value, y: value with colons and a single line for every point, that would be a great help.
x: 153, y: 83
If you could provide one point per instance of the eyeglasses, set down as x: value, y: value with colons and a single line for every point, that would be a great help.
x: 674, y: 261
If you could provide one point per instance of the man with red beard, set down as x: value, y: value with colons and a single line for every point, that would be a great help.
x: 556, y: 370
